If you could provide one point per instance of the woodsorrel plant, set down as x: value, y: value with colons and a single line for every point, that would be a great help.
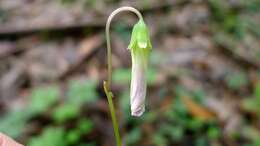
x: 140, y: 47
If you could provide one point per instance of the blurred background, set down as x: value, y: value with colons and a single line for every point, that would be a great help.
x: 203, y: 80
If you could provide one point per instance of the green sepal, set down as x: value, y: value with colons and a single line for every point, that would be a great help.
x: 140, y: 37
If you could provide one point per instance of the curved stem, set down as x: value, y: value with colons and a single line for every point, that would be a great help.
x: 109, y: 55
x: 107, y: 84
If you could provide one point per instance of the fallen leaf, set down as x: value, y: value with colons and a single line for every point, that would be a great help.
x: 197, y: 110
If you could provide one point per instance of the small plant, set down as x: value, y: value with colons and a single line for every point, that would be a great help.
x: 51, y: 136
x: 43, y: 98
x: 140, y: 47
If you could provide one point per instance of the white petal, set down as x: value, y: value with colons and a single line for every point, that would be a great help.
x: 138, y: 89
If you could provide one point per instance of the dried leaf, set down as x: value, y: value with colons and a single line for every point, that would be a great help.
x: 197, y: 110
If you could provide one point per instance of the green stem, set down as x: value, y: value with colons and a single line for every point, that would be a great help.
x: 107, y: 84
x: 113, y: 114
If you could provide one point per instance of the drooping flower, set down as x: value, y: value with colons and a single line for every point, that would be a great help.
x: 140, y: 47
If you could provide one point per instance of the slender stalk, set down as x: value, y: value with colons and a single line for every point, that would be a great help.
x: 113, y: 114
x: 107, y: 85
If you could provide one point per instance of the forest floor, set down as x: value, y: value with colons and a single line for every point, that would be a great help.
x: 203, y: 77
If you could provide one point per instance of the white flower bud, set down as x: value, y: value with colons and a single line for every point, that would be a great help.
x: 140, y: 46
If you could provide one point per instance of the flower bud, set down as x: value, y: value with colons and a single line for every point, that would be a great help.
x: 140, y: 47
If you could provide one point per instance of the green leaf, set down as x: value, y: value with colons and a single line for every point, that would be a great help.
x: 252, y: 105
x: 85, y: 125
x: 195, y: 124
x: 14, y: 122
x: 43, y: 98
x: 73, y: 136
x: 256, y: 142
x: 82, y: 91
x: 51, y: 136
x: 65, y: 112
x: 213, y: 132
